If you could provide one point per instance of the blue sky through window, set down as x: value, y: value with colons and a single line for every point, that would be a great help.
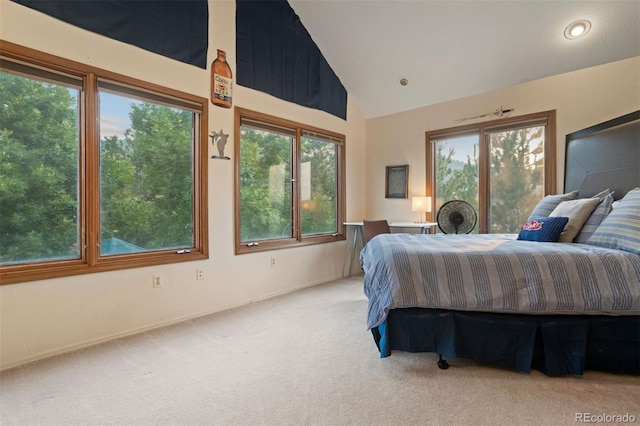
x: 114, y: 114
x: 463, y: 147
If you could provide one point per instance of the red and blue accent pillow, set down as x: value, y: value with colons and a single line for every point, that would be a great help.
x: 543, y: 229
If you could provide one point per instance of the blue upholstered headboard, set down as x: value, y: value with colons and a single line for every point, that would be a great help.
x: 606, y: 155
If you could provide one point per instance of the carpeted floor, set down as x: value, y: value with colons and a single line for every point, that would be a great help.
x: 300, y: 359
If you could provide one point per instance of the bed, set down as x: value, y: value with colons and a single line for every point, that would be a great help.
x: 559, y: 308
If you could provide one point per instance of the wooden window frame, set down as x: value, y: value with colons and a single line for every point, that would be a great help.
x: 90, y: 260
x: 482, y: 130
x: 297, y: 239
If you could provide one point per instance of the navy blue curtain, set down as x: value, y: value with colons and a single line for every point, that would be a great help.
x: 275, y: 54
x: 178, y: 29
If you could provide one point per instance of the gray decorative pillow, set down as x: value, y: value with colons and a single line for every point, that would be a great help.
x: 549, y: 203
x: 601, y: 211
x: 621, y: 228
x: 578, y: 211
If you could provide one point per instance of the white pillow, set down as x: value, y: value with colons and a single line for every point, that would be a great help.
x: 578, y: 211
x: 600, y: 195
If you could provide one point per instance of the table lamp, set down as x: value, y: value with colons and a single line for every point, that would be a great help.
x: 421, y: 204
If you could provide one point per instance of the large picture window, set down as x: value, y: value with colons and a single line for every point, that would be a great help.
x: 98, y: 172
x: 289, y: 183
x: 502, y: 168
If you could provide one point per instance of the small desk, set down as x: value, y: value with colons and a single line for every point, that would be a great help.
x: 424, y: 226
x: 358, y: 233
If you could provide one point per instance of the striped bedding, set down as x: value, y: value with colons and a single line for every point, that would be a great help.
x: 497, y: 273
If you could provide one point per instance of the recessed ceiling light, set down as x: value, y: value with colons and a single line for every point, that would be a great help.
x: 577, y: 29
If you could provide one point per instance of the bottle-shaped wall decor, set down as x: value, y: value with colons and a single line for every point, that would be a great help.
x: 221, y: 81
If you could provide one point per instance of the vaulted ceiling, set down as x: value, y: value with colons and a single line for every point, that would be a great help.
x: 450, y: 49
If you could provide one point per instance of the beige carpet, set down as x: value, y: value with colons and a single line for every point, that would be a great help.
x: 300, y: 359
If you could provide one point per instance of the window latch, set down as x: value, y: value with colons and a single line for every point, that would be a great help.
x: 183, y: 251
x: 252, y: 244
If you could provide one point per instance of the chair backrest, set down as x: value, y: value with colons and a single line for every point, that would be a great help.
x: 372, y: 228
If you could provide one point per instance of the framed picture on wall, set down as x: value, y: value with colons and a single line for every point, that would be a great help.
x: 396, y: 181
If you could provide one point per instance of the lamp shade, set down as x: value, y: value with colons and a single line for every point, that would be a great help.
x: 421, y: 204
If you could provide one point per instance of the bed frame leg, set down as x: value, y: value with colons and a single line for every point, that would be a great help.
x: 442, y: 363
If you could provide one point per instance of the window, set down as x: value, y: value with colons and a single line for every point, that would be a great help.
x: 98, y: 171
x: 502, y: 168
x: 289, y: 183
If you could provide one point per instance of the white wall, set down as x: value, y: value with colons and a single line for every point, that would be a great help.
x: 47, y: 317
x: 581, y: 99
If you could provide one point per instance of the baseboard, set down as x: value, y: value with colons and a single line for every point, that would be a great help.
x: 131, y: 332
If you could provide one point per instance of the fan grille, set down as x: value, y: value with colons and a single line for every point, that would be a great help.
x: 457, y: 217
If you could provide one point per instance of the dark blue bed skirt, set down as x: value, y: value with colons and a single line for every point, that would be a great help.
x: 554, y: 344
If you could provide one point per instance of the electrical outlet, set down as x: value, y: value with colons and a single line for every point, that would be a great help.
x: 157, y: 280
x: 200, y: 273
x: 273, y: 262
